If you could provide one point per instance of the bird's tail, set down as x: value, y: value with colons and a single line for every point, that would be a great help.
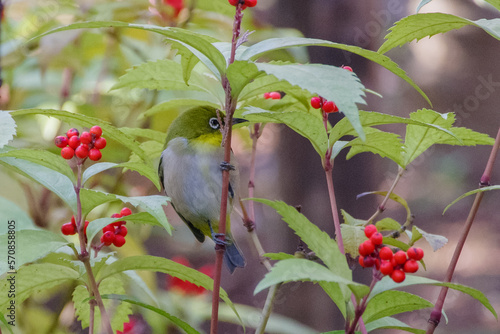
x: 233, y: 258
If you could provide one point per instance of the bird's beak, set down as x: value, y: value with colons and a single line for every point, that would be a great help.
x: 238, y: 121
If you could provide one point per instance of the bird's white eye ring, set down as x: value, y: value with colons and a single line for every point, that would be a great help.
x: 214, y: 123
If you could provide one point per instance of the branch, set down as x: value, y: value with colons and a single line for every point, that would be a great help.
x: 436, y: 313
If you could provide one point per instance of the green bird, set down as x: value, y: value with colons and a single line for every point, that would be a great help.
x: 190, y: 172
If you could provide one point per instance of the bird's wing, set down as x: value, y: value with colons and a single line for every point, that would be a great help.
x: 197, y: 233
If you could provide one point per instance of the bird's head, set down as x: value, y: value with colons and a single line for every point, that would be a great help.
x: 198, y: 125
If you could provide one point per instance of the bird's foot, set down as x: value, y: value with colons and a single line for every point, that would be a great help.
x: 215, y: 237
x: 226, y: 166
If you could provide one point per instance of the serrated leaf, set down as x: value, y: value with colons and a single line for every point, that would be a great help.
x: 388, y: 284
x: 436, y: 241
x: 419, y: 26
x: 258, y: 49
x: 188, y: 59
x: 240, y: 74
x: 418, y: 139
x: 56, y: 182
x: 387, y: 224
x: 319, y: 242
x: 143, y: 169
x: 42, y: 158
x: 292, y: 270
x: 472, y: 192
x: 393, y: 302
x: 333, y: 83
x: 352, y: 236
x: 197, y: 98
x: 110, y: 285
x: 385, y: 144
x: 178, y: 322
x: 7, y: 128
x: 32, y: 245
x: 305, y: 124
x: 391, y: 323
x: 34, y: 278
x: 350, y: 220
x: 202, y: 44
x: 109, y: 131
x: 159, y: 264
x: 414, y: 235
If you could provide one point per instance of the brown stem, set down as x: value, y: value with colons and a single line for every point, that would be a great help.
x: 382, y: 205
x: 360, y: 308
x: 226, y: 143
x: 335, y: 211
x: 436, y: 313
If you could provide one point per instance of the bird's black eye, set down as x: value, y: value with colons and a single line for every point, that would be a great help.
x: 214, y: 123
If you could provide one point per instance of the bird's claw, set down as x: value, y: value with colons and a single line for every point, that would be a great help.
x: 226, y: 166
x: 215, y: 237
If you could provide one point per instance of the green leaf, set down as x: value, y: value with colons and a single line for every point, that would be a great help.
x: 388, y: 284
x: 385, y: 144
x: 418, y: 139
x: 333, y: 83
x: 158, y: 136
x: 396, y: 243
x: 31, y: 245
x: 178, y: 322
x: 56, y: 182
x: 436, y: 241
x: 34, y: 278
x: 257, y: 50
x: 387, y: 224
x: 163, y: 74
x: 319, y: 242
x: 111, y: 285
x: 292, y: 270
x: 419, y: 26
x: 188, y: 59
x: 96, y: 169
x: 202, y: 44
x: 472, y: 192
x: 391, y: 323
x: 43, y: 158
x: 279, y: 256
x: 7, y: 128
x: 352, y: 237
x: 240, y: 74
x: 159, y: 264
x: 350, y: 220
x: 494, y: 3
x: 305, y: 124
x: 393, y: 302
x: 144, y: 169
x: 422, y: 4
x: 109, y: 131
x: 11, y: 212
x: 6, y: 324
x: 193, y: 99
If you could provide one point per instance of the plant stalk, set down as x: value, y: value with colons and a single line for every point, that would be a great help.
x: 436, y: 313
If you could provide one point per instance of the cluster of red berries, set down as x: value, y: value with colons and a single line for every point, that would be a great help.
x: 373, y: 253
x: 317, y: 102
x: 116, y: 232
x: 186, y: 287
x: 87, y: 145
x: 70, y: 227
x: 272, y: 95
x: 129, y: 327
x: 245, y: 3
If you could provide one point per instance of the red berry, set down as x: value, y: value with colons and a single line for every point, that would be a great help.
x: 116, y: 215
x: 266, y: 96
x: 68, y: 229
x: 398, y: 276
x: 121, y: 230
x: 250, y: 3
x: 119, y: 240
x: 125, y: 212
x: 72, y: 132
x: 330, y: 107
x: 400, y: 257
x: 274, y: 95
x: 67, y: 153
x: 316, y: 102
x: 385, y: 253
x: 377, y: 238
x: 73, y: 221
x: 386, y: 267
x: 361, y: 260
x: 349, y: 68
x: 109, y: 228
x: 370, y: 230
x: 415, y: 253
x: 85, y: 138
x: 82, y: 151
x: 366, y: 248
x: 233, y: 2
x: 100, y: 143
x: 411, y: 266
x: 95, y: 154
x: 85, y: 227
x: 368, y: 261
x: 96, y: 130
x: 74, y: 142
x: 108, y: 238
x: 61, y: 141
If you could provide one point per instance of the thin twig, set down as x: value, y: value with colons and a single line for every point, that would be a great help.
x: 381, y: 207
x: 436, y: 313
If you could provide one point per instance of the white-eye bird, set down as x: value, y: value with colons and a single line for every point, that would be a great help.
x: 190, y: 172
